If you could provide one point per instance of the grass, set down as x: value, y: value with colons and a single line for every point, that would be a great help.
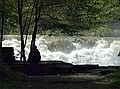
x: 10, y: 79
x: 14, y: 80
x: 113, y: 79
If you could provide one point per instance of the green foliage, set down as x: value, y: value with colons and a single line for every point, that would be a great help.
x: 77, y: 17
x: 62, y: 17
x: 113, y: 78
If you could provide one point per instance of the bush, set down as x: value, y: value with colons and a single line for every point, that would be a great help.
x: 10, y: 79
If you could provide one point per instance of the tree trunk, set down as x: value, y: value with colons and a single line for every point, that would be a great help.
x: 38, y: 7
x: 0, y: 36
x: 28, y: 23
x: 21, y: 30
x: 1, y: 27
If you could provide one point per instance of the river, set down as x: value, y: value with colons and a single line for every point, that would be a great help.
x: 71, y: 49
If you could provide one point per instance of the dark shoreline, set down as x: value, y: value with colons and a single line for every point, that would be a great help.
x: 59, y: 67
x: 66, y: 82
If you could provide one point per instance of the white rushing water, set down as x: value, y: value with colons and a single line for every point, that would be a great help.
x: 75, y: 50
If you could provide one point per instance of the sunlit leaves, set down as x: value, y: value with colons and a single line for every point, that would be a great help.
x: 63, y: 14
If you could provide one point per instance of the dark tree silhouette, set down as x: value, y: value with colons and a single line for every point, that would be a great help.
x: 20, y: 2
x: 1, y: 27
x: 38, y: 7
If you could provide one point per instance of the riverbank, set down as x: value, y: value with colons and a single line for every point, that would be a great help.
x: 15, y: 80
x: 77, y: 81
x: 91, y: 79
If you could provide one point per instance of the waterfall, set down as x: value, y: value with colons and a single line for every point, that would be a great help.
x: 72, y: 49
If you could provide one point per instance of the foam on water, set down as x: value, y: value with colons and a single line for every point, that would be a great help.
x: 76, y: 50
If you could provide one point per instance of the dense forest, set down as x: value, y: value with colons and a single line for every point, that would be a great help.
x: 59, y: 17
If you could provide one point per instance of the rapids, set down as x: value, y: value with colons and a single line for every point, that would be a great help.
x: 71, y: 49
